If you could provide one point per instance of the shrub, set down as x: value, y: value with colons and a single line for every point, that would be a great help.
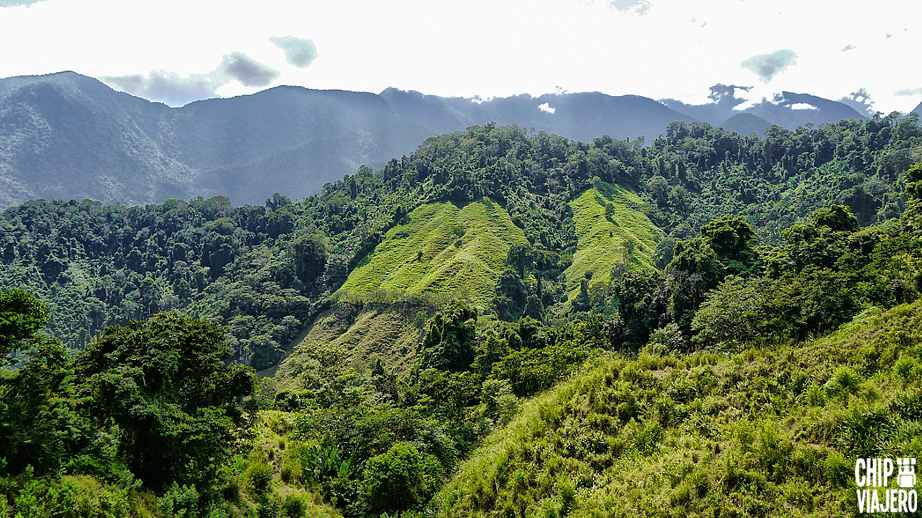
x: 400, y: 479
x: 259, y: 477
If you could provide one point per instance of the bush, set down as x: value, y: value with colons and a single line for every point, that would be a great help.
x: 400, y: 479
x: 259, y: 477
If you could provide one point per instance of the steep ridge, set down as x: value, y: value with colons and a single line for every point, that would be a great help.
x: 795, y: 109
x: 787, y: 109
x: 356, y: 336
x: 69, y: 136
x: 579, y: 116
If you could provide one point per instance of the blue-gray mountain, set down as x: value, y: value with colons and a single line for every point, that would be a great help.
x: 68, y: 136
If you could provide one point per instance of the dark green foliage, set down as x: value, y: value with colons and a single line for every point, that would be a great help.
x: 511, y: 296
x: 837, y: 218
x: 160, y: 397
x: 402, y: 478
x: 98, y: 265
x: 530, y: 371
x: 356, y: 434
x: 21, y: 315
x: 167, y: 388
x: 310, y: 257
x: 521, y: 257
x: 39, y: 425
x: 773, y: 181
x: 733, y: 240
x: 749, y: 433
x: 694, y: 270
x: 244, y: 267
x: 914, y: 181
x: 641, y: 305
x: 450, y: 340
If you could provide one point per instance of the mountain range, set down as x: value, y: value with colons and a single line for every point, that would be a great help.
x: 69, y: 136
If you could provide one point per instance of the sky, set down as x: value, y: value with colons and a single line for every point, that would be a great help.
x: 177, y: 51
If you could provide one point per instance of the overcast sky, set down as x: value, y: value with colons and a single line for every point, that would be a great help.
x: 177, y: 51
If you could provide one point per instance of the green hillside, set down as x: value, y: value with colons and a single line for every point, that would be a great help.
x: 722, y: 384
x: 612, y: 231
x: 441, y: 248
x: 766, y: 432
x: 353, y: 337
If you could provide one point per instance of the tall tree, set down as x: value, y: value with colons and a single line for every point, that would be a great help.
x: 167, y: 390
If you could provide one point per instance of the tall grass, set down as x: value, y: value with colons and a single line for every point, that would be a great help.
x: 770, y: 431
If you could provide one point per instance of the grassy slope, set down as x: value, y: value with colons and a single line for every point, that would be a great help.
x: 273, y: 447
x: 357, y: 337
x: 463, y: 252
x: 765, y: 432
x: 607, y: 238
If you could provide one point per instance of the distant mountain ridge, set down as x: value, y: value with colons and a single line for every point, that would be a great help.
x: 68, y: 136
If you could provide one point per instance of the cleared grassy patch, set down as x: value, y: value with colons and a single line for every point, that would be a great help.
x: 442, y: 248
x: 354, y: 337
x: 613, y: 232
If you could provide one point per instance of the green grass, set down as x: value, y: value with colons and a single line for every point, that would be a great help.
x: 440, y: 252
x: 612, y: 230
x: 274, y: 456
x: 354, y: 337
x: 442, y: 248
x: 765, y: 432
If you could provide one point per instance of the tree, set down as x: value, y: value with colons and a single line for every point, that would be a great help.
x: 21, y: 315
x: 451, y: 339
x: 914, y: 182
x: 837, y: 218
x: 641, y: 304
x: 510, y: 296
x: 693, y: 272
x: 400, y: 479
x: 310, y: 254
x: 521, y: 257
x: 38, y: 424
x: 167, y: 390
x: 731, y: 238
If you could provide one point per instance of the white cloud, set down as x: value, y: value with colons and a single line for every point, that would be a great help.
x: 176, y: 90
x: 767, y: 66
x: 547, y: 108
x: 18, y: 3
x: 299, y: 52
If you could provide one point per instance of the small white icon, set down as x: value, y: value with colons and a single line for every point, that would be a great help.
x: 906, y: 476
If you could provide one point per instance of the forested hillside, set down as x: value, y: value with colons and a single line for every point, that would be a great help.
x: 267, y: 271
x: 737, y: 318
